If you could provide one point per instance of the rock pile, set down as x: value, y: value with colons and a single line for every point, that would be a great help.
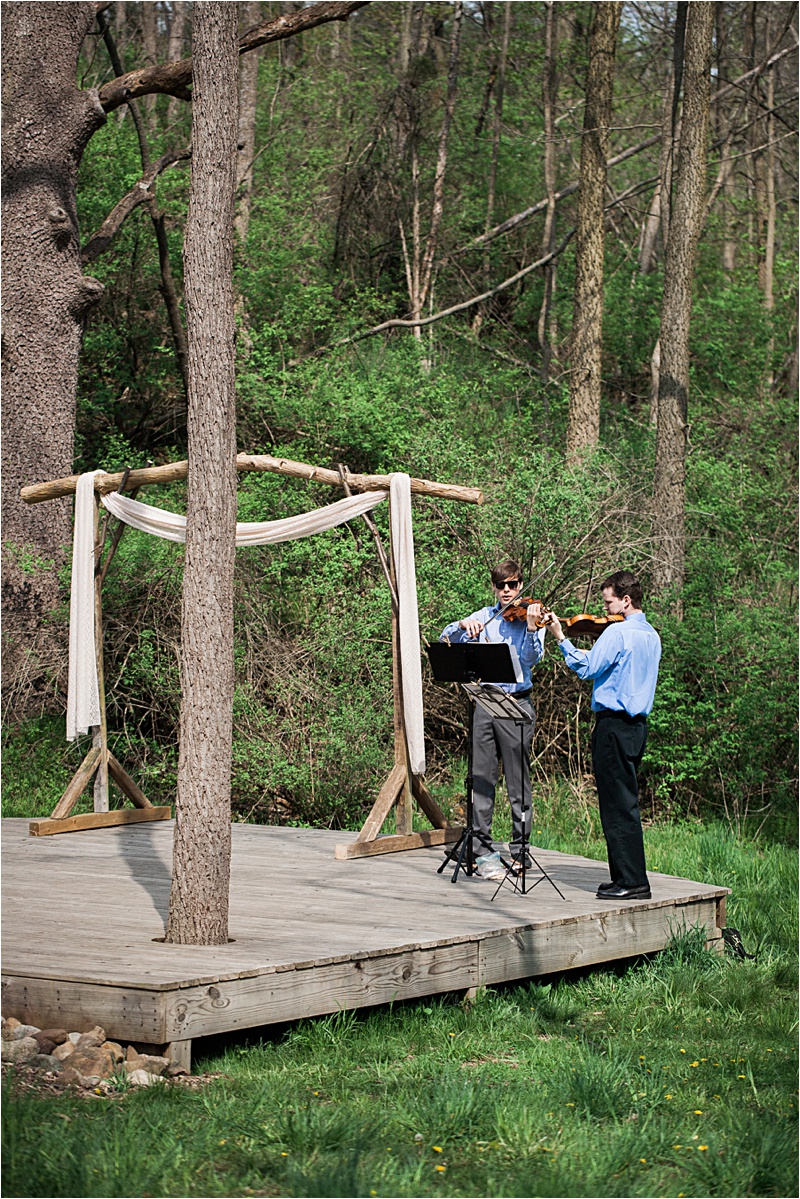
x: 85, y: 1059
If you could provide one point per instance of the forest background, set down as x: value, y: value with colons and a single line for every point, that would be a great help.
x: 396, y: 166
x: 348, y: 217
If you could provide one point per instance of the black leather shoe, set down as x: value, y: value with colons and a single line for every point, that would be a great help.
x: 615, y: 891
x: 608, y: 886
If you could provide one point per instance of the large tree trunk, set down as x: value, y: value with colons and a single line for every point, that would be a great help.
x: 583, y: 430
x: 46, y: 126
x: 198, y: 910
x: 673, y: 391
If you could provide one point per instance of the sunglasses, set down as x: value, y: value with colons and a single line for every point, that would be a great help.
x: 512, y: 583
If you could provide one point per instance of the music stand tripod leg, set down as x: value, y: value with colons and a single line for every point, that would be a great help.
x: 463, y: 847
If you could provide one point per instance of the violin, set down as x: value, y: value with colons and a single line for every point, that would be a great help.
x: 518, y: 610
x: 584, y: 625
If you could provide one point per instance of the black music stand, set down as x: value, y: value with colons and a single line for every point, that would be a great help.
x: 466, y: 662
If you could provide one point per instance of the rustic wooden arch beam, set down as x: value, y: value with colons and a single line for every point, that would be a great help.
x: 37, y: 493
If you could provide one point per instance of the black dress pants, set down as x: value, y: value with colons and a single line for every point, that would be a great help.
x: 618, y: 743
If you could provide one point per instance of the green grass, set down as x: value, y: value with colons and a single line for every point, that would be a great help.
x: 668, y: 1076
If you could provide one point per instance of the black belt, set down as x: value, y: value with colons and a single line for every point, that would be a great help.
x: 521, y: 694
x: 604, y: 712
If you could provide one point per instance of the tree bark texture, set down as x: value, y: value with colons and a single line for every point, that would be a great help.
x: 583, y: 429
x: 198, y: 912
x: 46, y: 126
x: 669, y: 489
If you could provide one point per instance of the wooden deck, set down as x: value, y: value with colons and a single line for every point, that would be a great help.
x: 83, y: 911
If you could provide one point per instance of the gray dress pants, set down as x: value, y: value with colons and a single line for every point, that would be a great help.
x: 512, y: 742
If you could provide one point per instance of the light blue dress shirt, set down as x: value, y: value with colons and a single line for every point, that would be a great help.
x: 529, y: 647
x: 623, y: 662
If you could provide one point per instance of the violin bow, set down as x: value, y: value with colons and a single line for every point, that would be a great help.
x: 589, y: 588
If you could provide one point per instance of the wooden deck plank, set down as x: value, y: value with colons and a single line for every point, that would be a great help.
x: 82, y: 917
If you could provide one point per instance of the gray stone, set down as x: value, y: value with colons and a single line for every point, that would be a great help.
x: 141, y: 1078
x: 74, y: 1037
x: 25, y: 1030
x: 76, y: 1077
x: 145, y: 1061
x: 62, y: 1052
x: 19, y: 1051
x: 46, y: 1061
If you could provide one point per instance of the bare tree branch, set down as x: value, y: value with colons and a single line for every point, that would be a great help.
x: 174, y: 78
x: 398, y: 323
x: 140, y: 193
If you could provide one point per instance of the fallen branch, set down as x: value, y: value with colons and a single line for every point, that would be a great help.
x: 400, y: 323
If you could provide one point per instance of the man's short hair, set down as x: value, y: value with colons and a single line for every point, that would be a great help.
x: 506, y: 570
x: 622, y: 583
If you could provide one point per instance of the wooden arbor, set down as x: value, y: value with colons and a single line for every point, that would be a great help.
x: 401, y: 787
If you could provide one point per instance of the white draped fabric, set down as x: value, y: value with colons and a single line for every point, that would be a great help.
x: 83, y: 695
x: 83, y: 703
x: 268, y: 532
x: 407, y: 618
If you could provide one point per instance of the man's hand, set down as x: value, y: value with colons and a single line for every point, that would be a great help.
x: 535, y: 612
x: 554, y: 625
x: 474, y: 628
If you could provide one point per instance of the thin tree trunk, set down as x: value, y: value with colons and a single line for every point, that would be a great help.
x: 149, y: 46
x: 248, y: 98
x: 404, y: 43
x: 769, y: 182
x: 583, y: 430
x: 500, y: 76
x: 549, y: 96
x: 168, y: 288
x: 198, y: 910
x: 673, y: 393
x: 177, y: 26
x: 426, y: 268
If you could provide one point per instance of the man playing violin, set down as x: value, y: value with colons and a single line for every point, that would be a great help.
x: 623, y: 664
x: 491, y: 737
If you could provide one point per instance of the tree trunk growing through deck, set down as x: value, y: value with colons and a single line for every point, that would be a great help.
x: 198, y: 909
x: 673, y: 391
x: 583, y: 429
x: 47, y: 123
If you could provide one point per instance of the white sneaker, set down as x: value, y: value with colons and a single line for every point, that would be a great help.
x: 490, y: 866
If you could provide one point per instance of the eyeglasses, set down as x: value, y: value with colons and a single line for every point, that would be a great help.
x: 512, y: 583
